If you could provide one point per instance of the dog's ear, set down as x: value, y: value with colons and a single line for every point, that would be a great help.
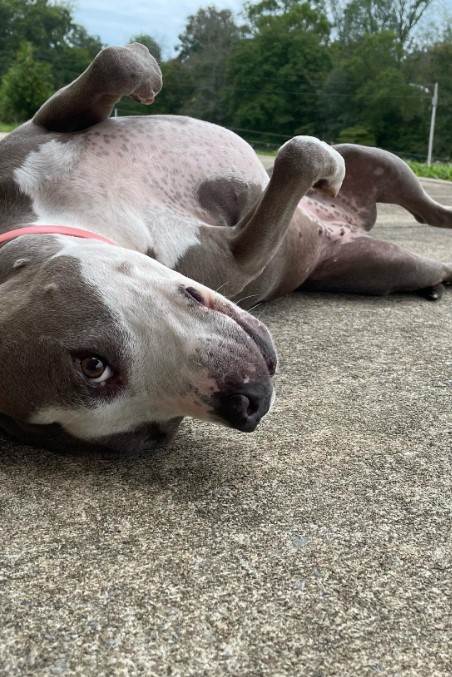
x: 20, y: 263
x: 24, y: 255
x: 15, y: 275
x: 8, y: 258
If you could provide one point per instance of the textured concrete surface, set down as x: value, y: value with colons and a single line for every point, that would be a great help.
x: 319, y: 545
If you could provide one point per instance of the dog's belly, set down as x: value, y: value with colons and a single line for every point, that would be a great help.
x: 137, y: 180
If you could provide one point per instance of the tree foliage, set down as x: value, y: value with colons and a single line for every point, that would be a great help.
x: 25, y: 86
x: 278, y: 67
x: 56, y: 38
x: 374, y: 82
x: 434, y: 64
x: 298, y: 67
x: 357, y: 18
x: 149, y: 42
x: 367, y: 86
x: 204, y: 51
x: 348, y: 70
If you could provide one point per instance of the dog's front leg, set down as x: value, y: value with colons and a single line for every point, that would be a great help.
x: 301, y: 163
x: 114, y: 73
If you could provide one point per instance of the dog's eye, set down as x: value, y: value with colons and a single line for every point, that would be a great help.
x: 95, y: 369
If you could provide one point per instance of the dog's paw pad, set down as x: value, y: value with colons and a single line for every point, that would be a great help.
x: 147, y: 101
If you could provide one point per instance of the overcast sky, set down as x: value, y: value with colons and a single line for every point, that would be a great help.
x: 116, y: 20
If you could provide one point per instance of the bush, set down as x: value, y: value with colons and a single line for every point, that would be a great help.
x: 25, y: 86
x: 435, y: 171
x: 357, y: 134
x: 7, y: 128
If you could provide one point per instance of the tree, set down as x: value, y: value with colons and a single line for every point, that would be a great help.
x: 25, y: 86
x: 366, y: 17
x: 204, y: 52
x: 368, y: 87
x: 429, y: 65
x: 278, y: 68
x: 357, y: 134
x: 52, y: 31
x: 371, y: 85
x: 179, y: 90
x: 209, y: 31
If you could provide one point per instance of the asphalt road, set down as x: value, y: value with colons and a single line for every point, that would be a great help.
x: 319, y: 545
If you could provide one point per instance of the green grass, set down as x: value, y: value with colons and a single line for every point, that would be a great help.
x: 6, y: 128
x: 435, y: 171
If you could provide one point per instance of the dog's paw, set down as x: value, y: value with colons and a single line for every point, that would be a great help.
x: 132, y: 69
x: 150, y: 81
x: 434, y: 293
x: 310, y: 156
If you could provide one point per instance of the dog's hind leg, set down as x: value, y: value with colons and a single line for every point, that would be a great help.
x: 365, y: 265
x: 374, y: 175
x: 114, y: 73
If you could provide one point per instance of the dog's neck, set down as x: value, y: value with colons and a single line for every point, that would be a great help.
x: 52, y: 230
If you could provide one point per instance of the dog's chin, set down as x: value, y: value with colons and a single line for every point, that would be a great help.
x: 142, y: 441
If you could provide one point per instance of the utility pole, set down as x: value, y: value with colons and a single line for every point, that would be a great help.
x: 432, y: 123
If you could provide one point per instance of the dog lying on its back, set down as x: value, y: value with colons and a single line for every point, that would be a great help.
x: 110, y: 335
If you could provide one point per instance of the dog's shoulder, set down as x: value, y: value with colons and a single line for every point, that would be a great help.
x: 15, y: 205
x: 16, y: 146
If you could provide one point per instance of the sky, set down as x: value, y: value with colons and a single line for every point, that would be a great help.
x: 115, y: 21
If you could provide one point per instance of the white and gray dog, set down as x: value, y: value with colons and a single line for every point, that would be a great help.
x: 114, y: 232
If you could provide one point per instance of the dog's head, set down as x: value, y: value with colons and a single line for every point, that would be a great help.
x: 104, y: 348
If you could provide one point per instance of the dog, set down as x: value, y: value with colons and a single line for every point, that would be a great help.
x: 116, y: 232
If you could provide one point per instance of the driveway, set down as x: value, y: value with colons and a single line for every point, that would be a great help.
x: 319, y: 545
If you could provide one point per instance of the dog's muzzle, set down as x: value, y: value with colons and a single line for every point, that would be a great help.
x: 244, y: 394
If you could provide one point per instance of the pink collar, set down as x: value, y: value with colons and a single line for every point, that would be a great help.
x: 53, y: 230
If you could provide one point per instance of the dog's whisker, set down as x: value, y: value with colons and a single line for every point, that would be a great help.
x: 76, y: 415
x: 217, y: 291
x: 245, y: 298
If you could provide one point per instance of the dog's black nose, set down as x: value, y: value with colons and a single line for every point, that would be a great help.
x: 244, y: 408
